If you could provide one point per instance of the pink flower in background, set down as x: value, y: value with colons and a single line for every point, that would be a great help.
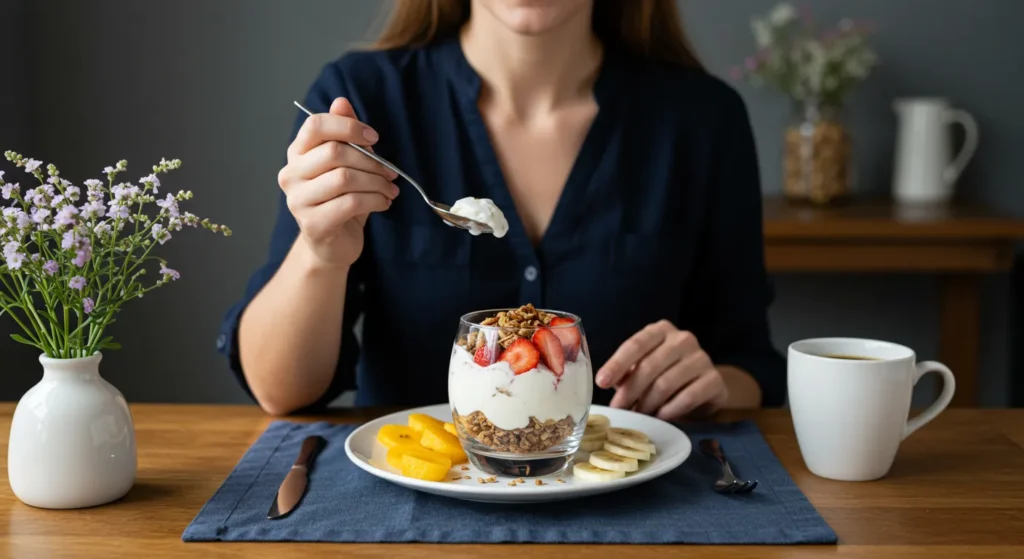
x: 77, y: 283
x: 50, y: 267
x: 736, y: 73
x: 751, y: 63
x: 88, y: 305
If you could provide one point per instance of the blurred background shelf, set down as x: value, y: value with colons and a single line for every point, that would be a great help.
x: 960, y: 243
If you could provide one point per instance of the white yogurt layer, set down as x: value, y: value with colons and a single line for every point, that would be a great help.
x: 509, y: 400
x: 484, y: 211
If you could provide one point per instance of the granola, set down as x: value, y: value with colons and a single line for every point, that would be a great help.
x: 535, y: 437
x: 510, y: 325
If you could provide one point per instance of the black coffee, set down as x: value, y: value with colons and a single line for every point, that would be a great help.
x: 851, y: 357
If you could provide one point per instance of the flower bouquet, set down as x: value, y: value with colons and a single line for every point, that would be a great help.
x: 816, y: 67
x: 70, y: 258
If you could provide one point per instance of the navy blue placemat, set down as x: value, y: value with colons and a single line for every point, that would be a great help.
x: 346, y: 504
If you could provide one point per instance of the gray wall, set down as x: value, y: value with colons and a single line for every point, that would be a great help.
x: 212, y: 82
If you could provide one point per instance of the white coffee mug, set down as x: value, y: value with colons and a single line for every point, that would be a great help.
x: 850, y: 414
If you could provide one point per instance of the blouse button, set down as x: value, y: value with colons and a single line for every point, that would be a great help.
x: 530, y: 273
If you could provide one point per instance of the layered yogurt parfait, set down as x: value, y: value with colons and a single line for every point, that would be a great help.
x: 520, y: 385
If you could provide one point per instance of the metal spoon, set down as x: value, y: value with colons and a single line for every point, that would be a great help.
x: 442, y: 210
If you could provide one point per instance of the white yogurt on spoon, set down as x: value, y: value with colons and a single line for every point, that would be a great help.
x: 483, y: 210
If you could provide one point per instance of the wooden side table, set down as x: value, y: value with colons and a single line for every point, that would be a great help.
x: 960, y: 243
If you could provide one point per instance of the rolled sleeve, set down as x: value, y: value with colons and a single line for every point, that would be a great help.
x: 327, y: 87
x: 731, y: 293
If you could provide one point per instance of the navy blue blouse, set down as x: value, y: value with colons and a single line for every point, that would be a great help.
x: 660, y: 219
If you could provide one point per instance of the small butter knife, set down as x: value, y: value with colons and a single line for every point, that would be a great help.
x: 294, y: 485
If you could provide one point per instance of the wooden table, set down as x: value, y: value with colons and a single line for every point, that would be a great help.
x: 956, y: 490
x: 960, y: 243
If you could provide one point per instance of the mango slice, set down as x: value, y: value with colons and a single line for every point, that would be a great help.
x: 450, y: 427
x: 394, y: 435
x: 395, y: 454
x: 443, y: 442
x: 425, y: 468
x: 418, y: 420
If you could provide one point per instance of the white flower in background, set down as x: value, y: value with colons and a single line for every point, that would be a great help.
x: 762, y: 32
x: 782, y: 14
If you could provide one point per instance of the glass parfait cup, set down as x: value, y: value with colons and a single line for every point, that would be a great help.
x: 520, y: 385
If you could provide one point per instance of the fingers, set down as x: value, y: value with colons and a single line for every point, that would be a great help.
x: 708, y: 391
x: 672, y: 380
x: 646, y: 372
x: 324, y: 127
x: 333, y: 214
x: 328, y: 156
x: 631, y: 352
x: 338, y: 182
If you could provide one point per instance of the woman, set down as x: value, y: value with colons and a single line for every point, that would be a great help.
x: 627, y: 173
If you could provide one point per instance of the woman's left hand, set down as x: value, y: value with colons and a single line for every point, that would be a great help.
x: 663, y: 371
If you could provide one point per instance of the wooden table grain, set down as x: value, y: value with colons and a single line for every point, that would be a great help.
x: 956, y: 490
x: 961, y: 244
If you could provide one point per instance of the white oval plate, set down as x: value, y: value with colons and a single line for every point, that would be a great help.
x: 673, y: 447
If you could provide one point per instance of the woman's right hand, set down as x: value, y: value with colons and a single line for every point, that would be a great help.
x: 332, y: 188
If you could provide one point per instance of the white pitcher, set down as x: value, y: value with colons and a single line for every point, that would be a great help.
x: 925, y: 171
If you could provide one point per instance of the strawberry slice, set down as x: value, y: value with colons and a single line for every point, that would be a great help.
x: 569, y: 336
x: 550, y: 348
x: 521, y: 355
x: 484, y: 356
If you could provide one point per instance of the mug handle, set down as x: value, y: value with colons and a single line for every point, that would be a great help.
x: 964, y: 118
x: 948, y: 387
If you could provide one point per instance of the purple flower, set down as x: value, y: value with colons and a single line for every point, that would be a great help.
x: 151, y: 181
x: 40, y: 215
x: 108, y: 170
x: 50, y: 267
x: 118, y: 211
x: 88, y: 305
x: 174, y: 224
x: 77, y: 282
x: 8, y: 190
x: 35, y: 257
x: 23, y: 221
x: 102, y: 229
x: 190, y: 219
x: 82, y: 257
x: 169, y: 204
x: 32, y: 165
x: 66, y: 216
x: 73, y: 193
x: 68, y: 240
x: 169, y: 273
x: 14, y: 261
x: 125, y: 192
x: 160, y: 234
x: 93, y: 209
x: 11, y: 248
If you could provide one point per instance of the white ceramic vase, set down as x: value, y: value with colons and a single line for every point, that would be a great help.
x: 72, y: 441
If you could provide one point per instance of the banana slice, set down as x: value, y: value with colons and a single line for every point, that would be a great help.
x: 590, y: 472
x: 608, y: 461
x: 626, y: 452
x: 631, y: 439
x: 597, y: 421
x: 601, y: 436
x: 591, y: 446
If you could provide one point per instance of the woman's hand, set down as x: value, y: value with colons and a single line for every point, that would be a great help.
x: 331, y: 188
x: 663, y: 371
